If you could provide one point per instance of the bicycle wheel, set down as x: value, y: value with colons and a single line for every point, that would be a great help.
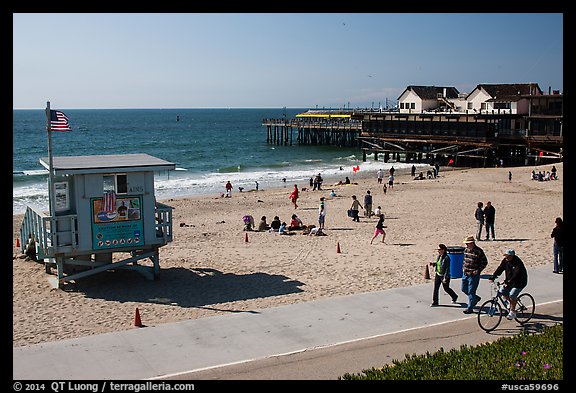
x: 525, y: 307
x: 489, y: 315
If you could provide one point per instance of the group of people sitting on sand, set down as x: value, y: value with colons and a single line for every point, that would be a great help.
x: 545, y: 176
x: 429, y: 175
x: 280, y: 227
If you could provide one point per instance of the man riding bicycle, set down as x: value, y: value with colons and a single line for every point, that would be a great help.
x: 516, y: 279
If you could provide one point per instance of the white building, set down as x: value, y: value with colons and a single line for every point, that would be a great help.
x: 485, y: 98
x: 502, y: 98
x: 418, y: 99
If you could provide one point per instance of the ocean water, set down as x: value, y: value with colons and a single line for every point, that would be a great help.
x: 208, y: 146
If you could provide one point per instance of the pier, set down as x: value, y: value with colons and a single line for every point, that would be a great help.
x: 465, y: 139
x: 322, y: 129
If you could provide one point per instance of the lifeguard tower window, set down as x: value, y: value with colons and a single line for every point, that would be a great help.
x: 61, y: 198
x: 117, y: 183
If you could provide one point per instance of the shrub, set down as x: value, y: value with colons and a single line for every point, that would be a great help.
x: 527, y: 356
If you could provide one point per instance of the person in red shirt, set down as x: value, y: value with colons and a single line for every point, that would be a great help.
x: 294, y: 196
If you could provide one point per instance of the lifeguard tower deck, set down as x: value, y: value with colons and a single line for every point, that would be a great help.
x: 102, y: 204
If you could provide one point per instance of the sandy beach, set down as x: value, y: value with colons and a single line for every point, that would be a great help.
x: 209, y: 269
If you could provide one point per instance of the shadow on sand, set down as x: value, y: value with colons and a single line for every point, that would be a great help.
x: 181, y: 287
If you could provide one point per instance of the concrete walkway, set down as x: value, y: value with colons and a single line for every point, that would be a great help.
x: 170, y: 350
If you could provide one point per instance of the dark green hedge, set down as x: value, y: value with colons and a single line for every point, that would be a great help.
x: 527, y: 356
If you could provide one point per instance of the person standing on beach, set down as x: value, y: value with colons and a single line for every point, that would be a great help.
x: 379, y: 229
x: 413, y: 172
x: 355, y: 207
x: 479, y: 215
x: 380, y: 175
x: 228, y: 189
x: 368, y: 204
x: 509, y: 176
x: 474, y: 262
x: 558, y: 235
x: 391, y: 180
x: 294, y: 196
x: 321, y: 213
x: 442, y: 276
x: 489, y: 216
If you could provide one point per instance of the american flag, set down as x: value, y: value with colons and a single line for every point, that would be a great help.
x: 59, y: 121
x: 110, y: 202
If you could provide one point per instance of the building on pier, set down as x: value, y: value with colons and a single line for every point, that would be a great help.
x: 496, y: 124
x: 509, y: 124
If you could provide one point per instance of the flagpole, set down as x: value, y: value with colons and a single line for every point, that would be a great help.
x: 51, y: 195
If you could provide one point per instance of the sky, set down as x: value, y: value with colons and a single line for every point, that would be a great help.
x: 273, y: 60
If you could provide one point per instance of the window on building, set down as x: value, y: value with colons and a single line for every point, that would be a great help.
x: 502, y: 105
x: 117, y: 183
x: 470, y: 105
x: 483, y: 106
x: 109, y: 183
x: 412, y: 105
x: 121, y: 184
x: 401, y: 105
x: 61, y: 196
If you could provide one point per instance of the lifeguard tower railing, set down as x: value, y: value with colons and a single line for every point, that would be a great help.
x: 42, y: 238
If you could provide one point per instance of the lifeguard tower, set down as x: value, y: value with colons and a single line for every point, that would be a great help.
x: 99, y: 205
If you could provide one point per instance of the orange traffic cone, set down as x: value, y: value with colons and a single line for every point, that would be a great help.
x: 427, y: 273
x: 246, y: 237
x: 338, y: 248
x: 17, y: 242
x: 137, y: 321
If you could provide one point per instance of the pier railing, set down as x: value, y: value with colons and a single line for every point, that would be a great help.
x: 315, y: 123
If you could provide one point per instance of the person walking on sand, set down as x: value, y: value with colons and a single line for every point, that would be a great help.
x: 442, y: 276
x: 479, y: 215
x: 413, y: 170
x: 228, y: 189
x: 391, y: 180
x: 489, y: 215
x: 474, y: 262
x: 294, y: 196
x: 321, y: 213
x: 379, y: 229
x: 380, y: 175
x: 509, y: 176
x: 355, y: 207
x: 368, y: 204
x: 558, y: 235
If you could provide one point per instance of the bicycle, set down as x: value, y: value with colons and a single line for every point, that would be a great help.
x: 491, y: 311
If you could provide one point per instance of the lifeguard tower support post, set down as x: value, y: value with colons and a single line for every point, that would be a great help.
x: 100, y: 205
